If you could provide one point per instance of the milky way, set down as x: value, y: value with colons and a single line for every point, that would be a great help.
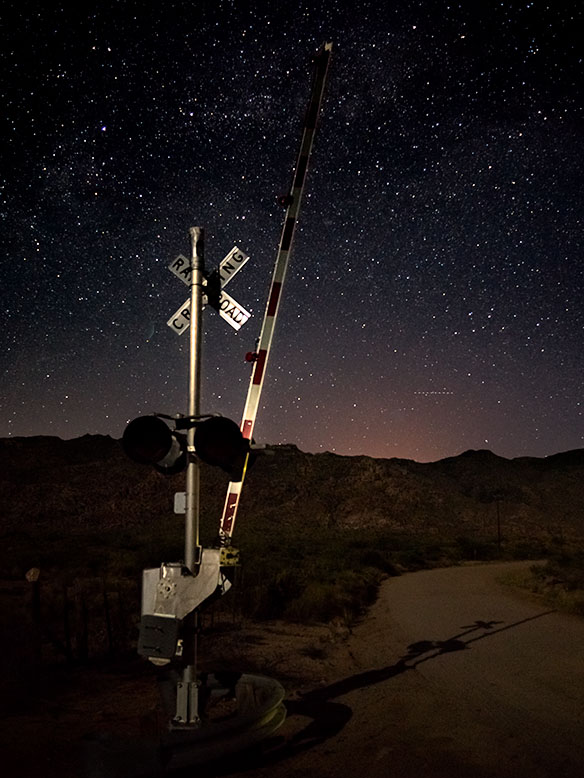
x: 434, y: 296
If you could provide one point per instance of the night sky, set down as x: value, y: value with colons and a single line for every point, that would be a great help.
x: 433, y: 301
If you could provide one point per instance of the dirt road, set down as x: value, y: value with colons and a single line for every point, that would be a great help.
x: 452, y: 675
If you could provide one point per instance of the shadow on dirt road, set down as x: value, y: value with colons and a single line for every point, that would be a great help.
x: 328, y: 717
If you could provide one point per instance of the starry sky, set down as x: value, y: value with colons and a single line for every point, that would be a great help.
x: 433, y: 301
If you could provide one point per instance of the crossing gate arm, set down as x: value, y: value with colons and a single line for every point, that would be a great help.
x: 293, y: 203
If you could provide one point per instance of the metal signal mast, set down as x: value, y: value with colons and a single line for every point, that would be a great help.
x: 260, y: 358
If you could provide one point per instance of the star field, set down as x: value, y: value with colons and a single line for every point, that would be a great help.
x: 434, y: 296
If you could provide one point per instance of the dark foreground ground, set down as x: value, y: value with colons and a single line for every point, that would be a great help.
x: 449, y: 674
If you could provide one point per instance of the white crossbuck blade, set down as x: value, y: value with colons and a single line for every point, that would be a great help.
x: 228, y: 267
x: 230, y: 310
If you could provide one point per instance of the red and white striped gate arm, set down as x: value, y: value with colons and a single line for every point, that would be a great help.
x: 293, y: 202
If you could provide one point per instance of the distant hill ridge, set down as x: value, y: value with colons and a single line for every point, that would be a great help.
x: 88, y: 484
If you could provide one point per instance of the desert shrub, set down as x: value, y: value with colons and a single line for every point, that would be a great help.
x: 317, y: 651
x: 411, y: 558
x: 278, y: 592
x: 567, y: 568
x: 361, y: 586
x: 577, y: 605
x: 560, y: 580
x: 538, y: 572
x: 378, y: 560
x: 477, y: 548
x: 318, y: 602
x: 526, y: 549
x: 344, y: 597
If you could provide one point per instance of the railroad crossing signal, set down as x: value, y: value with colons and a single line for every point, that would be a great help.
x: 218, y: 441
x: 171, y: 592
x: 228, y: 308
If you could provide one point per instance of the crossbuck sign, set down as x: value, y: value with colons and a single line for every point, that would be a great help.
x: 230, y: 310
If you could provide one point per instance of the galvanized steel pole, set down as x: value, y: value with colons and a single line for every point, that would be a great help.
x: 187, y: 697
x: 194, y: 404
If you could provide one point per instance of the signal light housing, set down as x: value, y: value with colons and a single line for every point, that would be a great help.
x: 149, y: 441
x: 219, y: 442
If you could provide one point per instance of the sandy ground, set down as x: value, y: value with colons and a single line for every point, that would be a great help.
x: 449, y: 674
